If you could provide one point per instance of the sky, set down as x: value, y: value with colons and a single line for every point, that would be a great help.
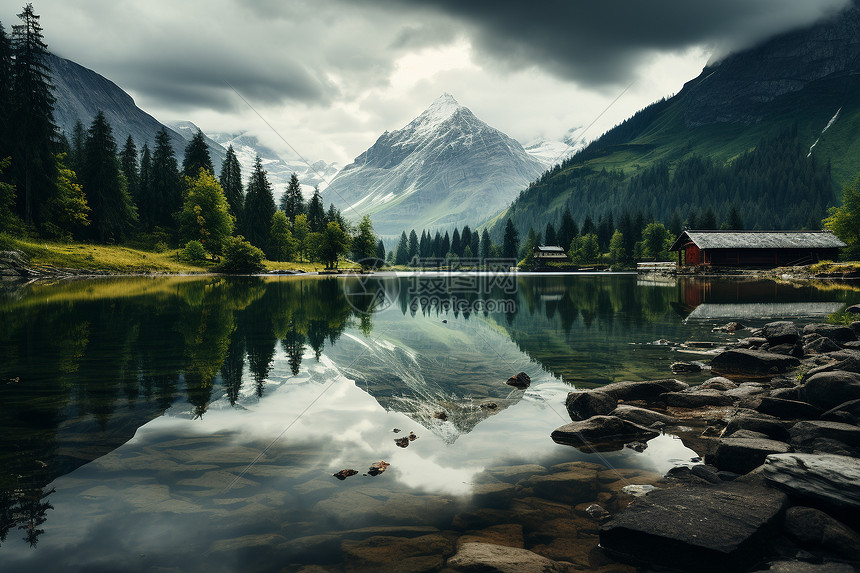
x: 327, y: 77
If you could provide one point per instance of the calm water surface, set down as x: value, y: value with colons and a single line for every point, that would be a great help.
x: 194, y: 424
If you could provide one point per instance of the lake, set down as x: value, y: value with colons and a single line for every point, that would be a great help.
x: 195, y: 424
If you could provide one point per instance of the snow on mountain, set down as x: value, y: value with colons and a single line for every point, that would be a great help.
x: 548, y: 151
x: 278, y: 168
x: 188, y: 130
x: 445, y: 168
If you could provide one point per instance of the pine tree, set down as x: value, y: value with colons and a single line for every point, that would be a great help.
x: 424, y: 245
x: 708, y: 220
x: 76, y: 146
x: 436, y: 246
x: 196, y: 157
x: 445, y: 246
x: 144, y: 183
x: 511, y: 241
x: 231, y: 183
x: 455, y: 242
x: 113, y: 212
x: 364, y: 243
x: 413, y: 245
x: 380, y: 250
x: 165, y: 187
x: 465, y: 239
x: 549, y: 237
x: 259, y: 207
x: 567, y: 230
x: 734, y: 220
x: 473, y: 244
x: 130, y: 169
x: 292, y: 202
x: 401, y: 255
x: 316, y: 212
x: 486, y: 245
x: 34, y: 166
x: 5, y: 93
x: 588, y: 227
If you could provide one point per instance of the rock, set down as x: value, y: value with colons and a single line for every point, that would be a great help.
x: 718, y: 383
x: 806, y: 432
x: 751, y: 342
x: 441, y: 415
x: 820, y: 345
x: 828, y: 479
x: 520, y: 380
x: 781, y: 332
x: 490, y: 558
x: 599, y: 431
x: 795, y: 350
x: 697, y: 399
x: 507, y: 534
x: 685, y: 367
x: 412, y: 436
x: 849, y: 364
x: 577, y: 485
x: 636, y: 446
x: 805, y: 567
x: 645, y: 390
x: 752, y: 363
x: 343, y: 474
x: 814, y: 529
x: 782, y: 408
x: 513, y: 474
x: 762, y: 423
x: 748, y: 434
x: 638, y: 490
x: 834, y: 332
x: 404, y: 555
x: 853, y: 309
x: 377, y: 468
x: 847, y: 412
x: 588, y: 403
x: 705, y: 472
x: 829, y: 389
x: 786, y: 393
x: 641, y: 416
x: 696, y: 528
x: 729, y: 327
x: 402, y: 442
x: 741, y: 455
x: 492, y: 494
x: 597, y: 512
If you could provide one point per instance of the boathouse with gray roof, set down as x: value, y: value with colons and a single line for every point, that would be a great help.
x: 755, y: 248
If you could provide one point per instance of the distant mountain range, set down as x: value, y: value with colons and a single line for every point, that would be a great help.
x: 445, y: 168
x: 805, y: 83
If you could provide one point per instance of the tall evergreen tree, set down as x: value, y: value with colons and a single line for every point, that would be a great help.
x: 401, y: 255
x: 292, y: 202
x: 259, y: 207
x: 231, y: 183
x: 424, y: 245
x: 465, y: 239
x: 128, y: 164
x: 708, y: 220
x: 112, y: 211
x: 567, y: 230
x: 364, y: 243
x: 380, y: 250
x: 549, y: 236
x: 5, y: 93
x: 455, y: 242
x: 34, y: 165
x: 165, y: 187
x: 445, y: 246
x: 144, y: 183
x: 436, y: 246
x: 316, y: 212
x: 511, y: 241
x: 413, y: 245
x: 486, y: 245
x: 76, y: 146
x: 588, y: 226
x: 734, y: 221
x: 196, y: 157
x: 474, y: 245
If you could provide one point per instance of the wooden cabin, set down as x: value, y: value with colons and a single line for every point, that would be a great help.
x: 545, y: 254
x: 755, y: 248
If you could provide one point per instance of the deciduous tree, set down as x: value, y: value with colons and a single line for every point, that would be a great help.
x: 205, y: 214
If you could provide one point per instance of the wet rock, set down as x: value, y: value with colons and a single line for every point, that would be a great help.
x: 814, y: 529
x: 519, y: 380
x: 806, y: 432
x: 789, y: 409
x: 492, y: 494
x: 718, y: 383
x: 685, y: 367
x: 820, y: 345
x: 748, y: 434
x: 574, y: 486
x: 507, y: 534
x: 834, y: 332
x: 697, y: 399
x: 792, y: 393
x: 343, y: 474
x: 490, y: 558
x: 377, y: 468
x: 780, y: 332
x: 830, y: 364
x: 588, y: 403
x: 752, y: 363
x: 741, y: 455
x: 638, y: 490
x: 806, y: 567
x: 404, y: 555
x: 729, y: 327
x: 644, y: 390
x: 751, y: 342
x: 596, y: 512
x: 696, y: 528
x: 829, y: 389
x: 795, y: 350
x: 601, y: 433
x: 636, y: 446
x: 828, y: 479
x: 402, y: 442
x: 513, y: 474
x: 642, y: 416
x: 705, y: 472
x: 756, y: 422
x: 847, y: 412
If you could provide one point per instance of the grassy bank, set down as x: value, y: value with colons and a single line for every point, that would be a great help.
x: 119, y: 259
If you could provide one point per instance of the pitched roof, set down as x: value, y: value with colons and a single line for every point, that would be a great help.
x: 758, y: 240
x: 543, y: 249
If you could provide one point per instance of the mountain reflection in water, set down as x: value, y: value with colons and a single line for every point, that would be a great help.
x: 291, y: 372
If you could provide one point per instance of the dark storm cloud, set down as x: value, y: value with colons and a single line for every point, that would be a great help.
x: 601, y: 42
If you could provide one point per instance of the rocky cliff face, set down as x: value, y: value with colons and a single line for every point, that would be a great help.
x: 740, y: 87
x: 81, y: 93
x: 445, y: 168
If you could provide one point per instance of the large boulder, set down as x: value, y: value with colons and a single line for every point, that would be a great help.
x: 815, y: 529
x: 781, y: 332
x: 823, y: 478
x: 742, y: 455
x: 806, y: 432
x: 782, y: 408
x: 642, y: 416
x: 755, y: 422
x: 697, y: 399
x: 490, y: 558
x: 696, y: 528
x: 588, y: 403
x: 753, y: 363
x: 834, y: 332
x: 820, y: 345
x: 829, y: 389
x: 577, y: 484
x: 847, y: 412
x: 644, y: 390
x: 601, y: 433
